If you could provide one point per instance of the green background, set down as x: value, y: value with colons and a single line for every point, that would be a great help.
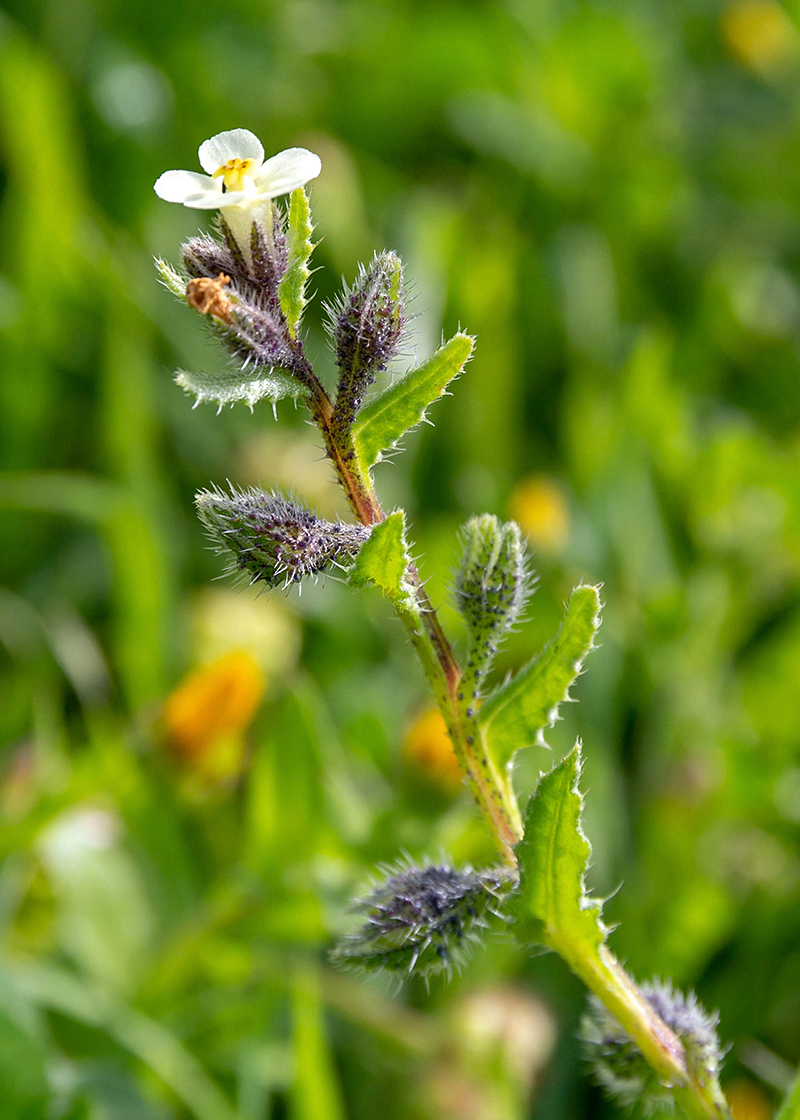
x: 607, y: 196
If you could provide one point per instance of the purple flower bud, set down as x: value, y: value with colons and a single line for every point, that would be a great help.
x: 253, y: 329
x: 366, y: 326
x: 423, y: 919
x: 270, y: 537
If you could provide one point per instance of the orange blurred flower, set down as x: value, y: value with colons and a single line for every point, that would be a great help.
x: 748, y: 1101
x: 205, y: 717
x: 538, y: 506
x: 761, y: 35
x: 428, y: 750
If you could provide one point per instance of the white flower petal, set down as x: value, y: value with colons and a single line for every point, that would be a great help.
x: 286, y: 172
x: 236, y: 144
x: 236, y: 198
x: 188, y: 187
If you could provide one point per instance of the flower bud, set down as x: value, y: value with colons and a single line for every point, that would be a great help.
x: 252, y: 328
x: 491, y: 588
x: 204, y: 258
x: 269, y: 257
x: 366, y: 326
x: 271, y: 538
x: 423, y: 919
x: 620, y: 1066
x: 256, y: 274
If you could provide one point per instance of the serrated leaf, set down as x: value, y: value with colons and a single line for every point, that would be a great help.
x: 292, y: 288
x: 515, y: 715
x: 383, y: 560
x: 237, y: 385
x: 551, y: 907
x: 402, y: 406
x: 171, y: 278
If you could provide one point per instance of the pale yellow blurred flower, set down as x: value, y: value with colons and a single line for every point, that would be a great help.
x: 293, y: 461
x: 539, y: 507
x: 501, y: 1038
x: 508, y: 1024
x: 205, y: 717
x: 761, y: 35
x: 427, y: 750
x: 224, y: 618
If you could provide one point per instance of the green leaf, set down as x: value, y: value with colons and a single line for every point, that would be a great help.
x: 150, y: 1041
x: 389, y: 416
x: 383, y: 560
x: 790, y: 1109
x: 171, y: 278
x: 239, y: 385
x: 292, y: 289
x: 516, y: 714
x: 551, y: 907
x: 315, y: 1094
x: 23, y: 1061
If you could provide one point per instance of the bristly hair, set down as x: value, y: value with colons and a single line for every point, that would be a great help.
x: 272, y: 538
x: 423, y: 919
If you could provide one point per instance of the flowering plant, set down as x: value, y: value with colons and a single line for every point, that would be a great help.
x: 249, y: 282
x: 237, y: 174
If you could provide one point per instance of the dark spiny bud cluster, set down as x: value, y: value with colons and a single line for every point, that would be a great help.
x: 366, y: 326
x: 423, y: 919
x: 491, y: 588
x: 618, y: 1062
x: 253, y: 330
x: 272, y: 538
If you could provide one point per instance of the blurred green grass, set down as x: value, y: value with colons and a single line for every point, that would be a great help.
x: 607, y: 195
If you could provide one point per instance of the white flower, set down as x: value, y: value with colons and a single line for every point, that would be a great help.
x: 238, y: 174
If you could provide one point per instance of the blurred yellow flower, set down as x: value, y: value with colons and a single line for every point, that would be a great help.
x: 427, y: 750
x: 538, y: 505
x: 205, y: 717
x: 761, y: 35
x: 748, y: 1101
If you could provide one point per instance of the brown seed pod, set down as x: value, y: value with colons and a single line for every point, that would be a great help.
x: 207, y: 296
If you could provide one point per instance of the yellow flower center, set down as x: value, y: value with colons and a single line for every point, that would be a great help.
x: 233, y: 173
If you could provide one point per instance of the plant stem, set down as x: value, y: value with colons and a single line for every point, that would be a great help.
x: 490, y: 790
x: 700, y: 1098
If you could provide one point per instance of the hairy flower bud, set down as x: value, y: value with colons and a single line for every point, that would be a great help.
x: 423, y: 919
x: 253, y: 328
x: 491, y: 588
x: 272, y: 538
x: 366, y: 326
x: 269, y: 256
x: 204, y: 258
x: 256, y: 276
x: 618, y: 1063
